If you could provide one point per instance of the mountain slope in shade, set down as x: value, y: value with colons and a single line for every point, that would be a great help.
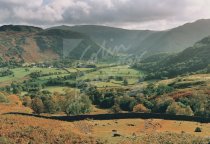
x: 179, y: 38
x: 139, y: 41
x: 114, y: 39
x: 192, y: 59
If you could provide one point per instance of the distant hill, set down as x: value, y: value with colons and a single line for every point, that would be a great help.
x: 139, y: 41
x: 19, y: 28
x: 32, y: 44
x: 192, y: 59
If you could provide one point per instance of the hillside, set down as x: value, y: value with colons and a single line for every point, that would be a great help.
x: 190, y: 60
x: 32, y: 44
x: 20, y: 128
x: 139, y: 41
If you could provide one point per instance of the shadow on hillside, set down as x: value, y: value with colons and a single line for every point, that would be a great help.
x: 119, y: 116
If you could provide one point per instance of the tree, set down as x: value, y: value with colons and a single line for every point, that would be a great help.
x: 94, y: 94
x: 127, y: 103
x: 149, y: 90
x: 37, y: 105
x: 74, y: 108
x: 86, y: 104
x: 125, y: 82
x: 27, y: 101
x: 77, y: 105
x: 179, y: 109
x: 162, y: 89
x: 161, y: 104
x: 107, y: 102
x: 140, y: 108
x: 50, y: 106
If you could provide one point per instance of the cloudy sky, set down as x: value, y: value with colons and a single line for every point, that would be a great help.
x: 131, y: 14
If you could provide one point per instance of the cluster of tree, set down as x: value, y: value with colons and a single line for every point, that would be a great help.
x: 153, y: 90
x: 45, y: 102
x: 119, y: 100
x: 12, y: 63
x: 86, y: 66
x: 27, y: 86
x: 38, y: 74
x: 199, y: 103
x: 153, y: 99
x: 5, y: 72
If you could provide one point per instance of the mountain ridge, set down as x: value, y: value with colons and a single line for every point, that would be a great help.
x: 16, y: 39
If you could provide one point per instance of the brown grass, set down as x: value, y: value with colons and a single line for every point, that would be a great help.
x: 27, y: 129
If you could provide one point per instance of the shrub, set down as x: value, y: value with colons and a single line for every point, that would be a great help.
x: 3, y: 98
x: 198, y: 129
x: 115, y: 108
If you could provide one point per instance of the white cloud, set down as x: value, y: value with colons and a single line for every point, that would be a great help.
x: 133, y: 14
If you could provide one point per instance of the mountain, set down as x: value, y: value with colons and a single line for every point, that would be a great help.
x: 192, y: 59
x: 141, y: 41
x: 33, y: 44
x: 116, y: 40
x: 177, y: 39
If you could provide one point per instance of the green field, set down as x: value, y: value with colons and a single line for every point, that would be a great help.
x: 125, y: 72
x: 100, y: 78
x: 58, y: 89
x: 23, y: 74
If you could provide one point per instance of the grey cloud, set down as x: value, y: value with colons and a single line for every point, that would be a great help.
x: 122, y: 13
